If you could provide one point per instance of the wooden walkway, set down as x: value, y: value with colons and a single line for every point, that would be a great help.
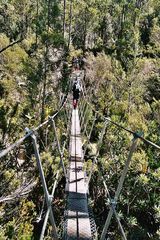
x: 77, y: 217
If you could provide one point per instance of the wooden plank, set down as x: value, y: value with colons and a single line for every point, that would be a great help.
x: 78, y: 223
x: 76, y: 147
x: 76, y: 178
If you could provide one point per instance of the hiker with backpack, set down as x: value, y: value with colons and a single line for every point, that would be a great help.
x: 76, y: 92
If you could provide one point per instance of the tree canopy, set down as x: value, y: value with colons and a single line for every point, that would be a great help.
x: 119, y: 42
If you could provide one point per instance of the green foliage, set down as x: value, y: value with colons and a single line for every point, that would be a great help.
x: 128, y: 99
x: 55, y: 39
x: 29, y: 79
x: 124, y: 85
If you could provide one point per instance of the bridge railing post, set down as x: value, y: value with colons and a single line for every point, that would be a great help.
x: 45, y: 189
x: 119, y: 223
x: 119, y: 188
x: 113, y: 206
x: 49, y: 209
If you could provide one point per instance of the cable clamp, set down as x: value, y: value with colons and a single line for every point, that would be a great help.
x: 50, y: 198
x: 113, y: 203
x: 50, y: 118
x: 28, y: 131
x: 137, y: 135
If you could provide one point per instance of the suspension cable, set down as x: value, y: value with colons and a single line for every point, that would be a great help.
x: 97, y: 151
x: 21, y: 140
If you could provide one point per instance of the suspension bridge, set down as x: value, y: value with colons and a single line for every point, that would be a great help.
x: 77, y: 220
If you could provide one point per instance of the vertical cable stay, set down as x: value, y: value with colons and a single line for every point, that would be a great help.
x: 59, y: 148
x: 82, y: 112
x: 97, y: 151
x: 84, y: 117
x: 90, y: 133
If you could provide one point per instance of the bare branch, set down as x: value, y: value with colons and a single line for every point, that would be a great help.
x: 11, y: 44
x: 24, y: 190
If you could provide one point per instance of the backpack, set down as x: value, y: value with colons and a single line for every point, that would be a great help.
x: 78, y: 87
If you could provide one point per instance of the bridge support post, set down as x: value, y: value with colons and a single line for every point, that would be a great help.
x: 49, y: 209
x: 47, y: 196
x: 119, y: 188
x: 113, y: 206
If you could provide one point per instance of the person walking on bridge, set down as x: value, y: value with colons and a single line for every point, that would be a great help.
x: 76, y: 92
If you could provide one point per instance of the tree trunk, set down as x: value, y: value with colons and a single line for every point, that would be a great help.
x: 45, y: 67
x: 70, y: 23
x: 64, y: 17
x: 44, y: 88
x: 85, y: 31
x: 48, y: 15
x: 37, y: 15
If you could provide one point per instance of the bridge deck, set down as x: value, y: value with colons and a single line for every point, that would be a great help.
x: 77, y: 217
